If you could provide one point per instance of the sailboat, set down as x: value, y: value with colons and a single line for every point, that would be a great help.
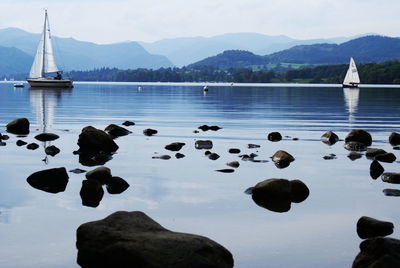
x: 44, y: 71
x: 351, y: 80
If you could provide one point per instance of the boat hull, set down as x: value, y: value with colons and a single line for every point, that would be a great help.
x: 350, y: 86
x: 64, y: 83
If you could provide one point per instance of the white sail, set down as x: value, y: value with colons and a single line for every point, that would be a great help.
x: 44, y: 62
x: 352, y: 74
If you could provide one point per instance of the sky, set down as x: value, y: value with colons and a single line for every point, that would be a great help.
x: 110, y: 21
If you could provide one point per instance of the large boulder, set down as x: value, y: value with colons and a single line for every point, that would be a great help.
x: 359, y: 135
x: 52, y: 180
x: 368, y: 227
x: 132, y: 239
x: 278, y: 194
x: 329, y: 138
x: 95, y: 140
x: 19, y: 126
x: 379, y: 252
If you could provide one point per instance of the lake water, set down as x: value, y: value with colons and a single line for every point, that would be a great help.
x: 38, y: 229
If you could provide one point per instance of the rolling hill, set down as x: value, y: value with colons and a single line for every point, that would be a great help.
x: 13, y: 61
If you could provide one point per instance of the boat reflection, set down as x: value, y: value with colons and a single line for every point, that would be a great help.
x: 44, y: 102
x: 351, y: 96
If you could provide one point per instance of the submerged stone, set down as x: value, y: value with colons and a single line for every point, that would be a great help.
x: 355, y: 146
x: 378, y: 252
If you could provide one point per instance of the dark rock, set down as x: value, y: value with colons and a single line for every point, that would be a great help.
x: 391, y: 192
x: 253, y: 146
x: 175, y: 146
x: 372, y: 152
x: 375, y: 169
x: 215, y: 128
x: 249, y: 190
x: 396, y: 148
x: 391, y: 177
x: 91, y: 193
x: 353, y: 156
x: 329, y: 157
x: 100, y: 158
x: 329, y: 138
x: 203, y: 144
x: 195, y: 131
x: 234, y: 164
x: 132, y: 239
x: 91, y: 159
x: 149, y: 132
x: 278, y: 194
x: 206, y: 128
x: 94, y: 140
x: 282, y: 159
x: 128, y: 123
x: 179, y: 155
x: 116, y: 185
x: 369, y: 227
x: 295, y: 139
x: 100, y: 174
x: 359, y: 135
x: 379, y: 252
x: 226, y: 170
x: 355, y: 146
x: 3, y: 143
x: 46, y: 137
x: 163, y: 157
x: 18, y: 126
x: 32, y: 146
x: 51, y: 150
x: 274, y: 136
x: 234, y: 151
x: 116, y: 131
x: 387, y: 157
x: 394, y: 138
x: 4, y: 137
x: 21, y: 143
x: 52, y: 180
x: 77, y: 171
x: 207, y: 152
x: 213, y: 156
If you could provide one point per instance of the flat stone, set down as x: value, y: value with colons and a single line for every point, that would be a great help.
x: 77, y: 171
x: 368, y: 227
x: 234, y: 151
x: 372, y: 152
x: 203, y: 144
x: 274, y: 136
x: 226, y: 170
x: 354, y: 156
x: 52, y: 180
x: 391, y: 192
x: 163, y: 157
x: 391, y: 177
x: 32, y: 146
x: 128, y: 123
x: 46, y: 137
x: 132, y: 239
x: 253, y: 146
x: 175, y: 146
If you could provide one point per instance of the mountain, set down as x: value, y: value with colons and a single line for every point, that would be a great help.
x: 184, y: 51
x: 13, y: 61
x: 364, y: 49
x: 72, y: 54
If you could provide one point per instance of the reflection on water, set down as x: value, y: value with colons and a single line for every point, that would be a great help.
x: 187, y: 194
x: 351, y: 96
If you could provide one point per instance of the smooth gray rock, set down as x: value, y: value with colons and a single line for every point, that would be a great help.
x: 100, y: 174
x: 379, y: 252
x: 368, y: 227
x: 203, y: 144
x: 391, y: 177
x: 52, y: 180
x: 116, y: 131
x: 394, y: 139
x: 95, y: 140
x: 18, y: 126
x: 359, y: 135
x: 375, y: 169
x: 46, y: 137
x: 132, y: 239
x: 329, y: 138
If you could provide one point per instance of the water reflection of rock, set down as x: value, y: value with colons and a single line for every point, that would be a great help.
x: 351, y: 96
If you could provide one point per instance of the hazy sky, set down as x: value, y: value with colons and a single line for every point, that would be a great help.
x: 108, y: 21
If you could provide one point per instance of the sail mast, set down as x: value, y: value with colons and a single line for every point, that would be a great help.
x: 44, y: 43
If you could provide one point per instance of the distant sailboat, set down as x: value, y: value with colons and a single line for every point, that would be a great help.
x: 351, y: 80
x: 44, y: 71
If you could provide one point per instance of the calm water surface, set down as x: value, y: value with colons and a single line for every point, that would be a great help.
x: 38, y: 229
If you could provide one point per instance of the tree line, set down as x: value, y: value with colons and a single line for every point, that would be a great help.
x: 370, y: 73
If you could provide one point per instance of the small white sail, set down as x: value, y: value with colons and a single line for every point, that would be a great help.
x: 44, y: 62
x: 352, y: 77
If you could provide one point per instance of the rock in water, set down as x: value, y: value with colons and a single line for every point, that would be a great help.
x: 52, y: 180
x: 378, y: 252
x: 149, y: 132
x: 128, y: 123
x: 51, y: 150
x: 353, y: 156
x: 386, y: 157
x: 203, y: 144
x: 175, y: 146
x: 132, y: 239
x: 369, y: 227
x: 226, y: 170
x: 372, y: 152
x: 282, y: 159
x: 46, y: 137
x: 394, y: 139
x: 329, y: 138
x: 274, y: 136
x: 100, y: 174
x: 391, y: 177
x: 116, y: 131
x: 375, y: 170
x: 91, y: 193
x: 21, y: 143
x: 355, y: 146
x: 32, y: 146
x: 359, y: 135
x: 391, y: 192
x: 116, y: 185
x: 234, y: 164
x: 18, y: 126
x: 234, y: 151
x: 95, y: 140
